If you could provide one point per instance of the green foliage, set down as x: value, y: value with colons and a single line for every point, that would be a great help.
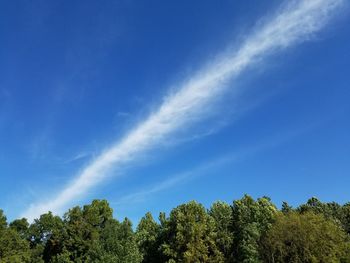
x: 46, y: 235
x: 44, y: 228
x: 330, y: 210
x: 249, y: 231
x: 98, y: 213
x: 13, y: 249
x: 251, y: 219
x: 94, y: 236
x: 222, y: 214
x: 307, y: 237
x: 191, y: 235
x: 21, y: 226
x: 3, y: 220
x: 117, y: 244
x: 148, y: 235
x: 345, y: 218
x: 286, y: 208
x: 83, y: 228
x: 63, y: 257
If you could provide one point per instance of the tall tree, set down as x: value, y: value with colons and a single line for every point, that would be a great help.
x: 3, y: 220
x: 148, y: 234
x: 191, y: 235
x: 286, y: 208
x: 45, y: 227
x: 98, y: 213
x: 21, y: 226
x: 46, y: 235
x: 307, y: 237
x: 117, y: 244
x: 13, y: 248
x: 251, y: 219
x: 346, y: 217
x: 83, y: 228
x: 221, y: 212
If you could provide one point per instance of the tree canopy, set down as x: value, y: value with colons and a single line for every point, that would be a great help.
x: 246, y: 231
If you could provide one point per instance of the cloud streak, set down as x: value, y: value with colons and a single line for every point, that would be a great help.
x: 209, y: 166
x: 174, y: 180
x: 295, y: 22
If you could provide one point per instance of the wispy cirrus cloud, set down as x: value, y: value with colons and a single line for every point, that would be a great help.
x: 209, y: 166
x: 293, y: 23
x: 79, y: 156
x: 172, y: 181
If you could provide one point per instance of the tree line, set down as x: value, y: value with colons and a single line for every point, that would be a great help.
x: 246, y: 231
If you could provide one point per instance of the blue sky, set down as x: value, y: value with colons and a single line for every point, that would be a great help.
x: 83, y: 86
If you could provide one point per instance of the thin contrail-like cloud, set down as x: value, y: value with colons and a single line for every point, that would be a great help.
x: 174, y: 180
x: 294, y: 23
x: 211, y: 165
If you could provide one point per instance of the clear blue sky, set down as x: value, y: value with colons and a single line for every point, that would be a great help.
x: 78, y: 76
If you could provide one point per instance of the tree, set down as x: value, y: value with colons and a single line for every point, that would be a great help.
x: 94, y: 236
x: 249, y: 231
x: 13, y: 249
x: 3, y: 220
x: 98, y: 213
x: 44, y: 228
x: 299, y: 238
x: 63, y: 257
x: 148, y: 236
x: 117, y: 244
x: 191, y: 235
x: 82, y: 233
x: 313, y: 204
x: 221, y: 212
x: 286, y: 208
x: 119, y: 241
x: 346, y: 217
x: 21, y: 226
x: 251, y: 219
x: 46, y: 235
x: 333, y: 211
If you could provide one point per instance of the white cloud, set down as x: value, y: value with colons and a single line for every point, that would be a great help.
x: 175, y: 180
x: 294, y: 23
x: 78, y: 156
x: 208, y: 167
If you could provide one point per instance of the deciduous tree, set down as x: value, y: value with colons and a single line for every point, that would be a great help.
x: 307, y: 237
x: 191, y: 235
